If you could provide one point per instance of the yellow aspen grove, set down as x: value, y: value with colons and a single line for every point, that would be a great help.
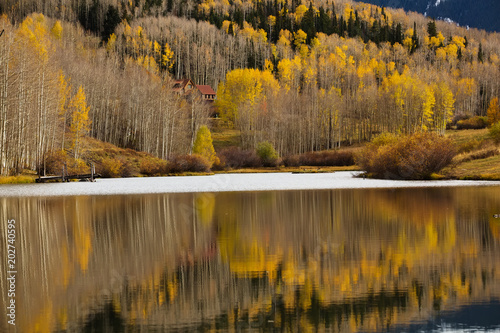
x: 445, y: 105
x: 80, y: 122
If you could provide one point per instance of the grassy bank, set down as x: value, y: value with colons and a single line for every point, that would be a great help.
x: 478, y: 158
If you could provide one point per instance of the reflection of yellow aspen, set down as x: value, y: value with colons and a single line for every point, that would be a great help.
x: 205, y: 206
x: 172, y: 288
x: 62, y: 319
x: 43, y: 321
x: 495, y: 225
x: 67, y: 267
x: 117, y: 307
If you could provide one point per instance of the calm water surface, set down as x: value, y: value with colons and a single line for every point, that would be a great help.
x: 360, y: 260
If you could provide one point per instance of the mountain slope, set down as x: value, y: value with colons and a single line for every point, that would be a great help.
x: 477, y: 14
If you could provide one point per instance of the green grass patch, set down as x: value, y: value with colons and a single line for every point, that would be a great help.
x: 226, y: 138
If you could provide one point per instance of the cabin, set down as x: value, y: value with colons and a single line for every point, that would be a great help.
x: 186, y: 87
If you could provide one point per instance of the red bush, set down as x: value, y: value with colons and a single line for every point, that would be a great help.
x: 236, y: 158
x: 323, y: 158
x: 189, y: 163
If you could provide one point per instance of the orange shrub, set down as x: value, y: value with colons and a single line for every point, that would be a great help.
x: 153, y: 166
x: 415, y: 156
x: 110, y: 168
x: 476, y: 122
x: 54, y: 162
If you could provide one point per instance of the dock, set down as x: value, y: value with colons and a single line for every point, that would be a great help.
x: 64, y: 177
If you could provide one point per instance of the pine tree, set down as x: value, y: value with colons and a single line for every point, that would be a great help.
x: 431, y: 29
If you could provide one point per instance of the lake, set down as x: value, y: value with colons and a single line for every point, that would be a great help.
x: 340, y: 260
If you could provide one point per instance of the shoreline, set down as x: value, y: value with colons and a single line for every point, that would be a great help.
x: 225, y: 182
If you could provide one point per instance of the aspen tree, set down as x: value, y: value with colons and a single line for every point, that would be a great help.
x: 203, y: 145
x: 80, y: 122
x: 493, y: 111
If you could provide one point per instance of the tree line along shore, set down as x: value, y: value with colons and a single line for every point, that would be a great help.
x: 294, y: 81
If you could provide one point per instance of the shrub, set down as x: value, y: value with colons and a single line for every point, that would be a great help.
x: 476, y: 122
x: 236, y: 158
x: 151, y: 166
x: 327, y: 158
x: 267, y: 154
x: 291, y: 161
x: 189, y: 163
x: 324, y: 158
x: 77, y: 166
x: 110, y: 168
x: 417, y: 156
x: 495, y: 132
x: 469, y: 146
x: 54, y: 162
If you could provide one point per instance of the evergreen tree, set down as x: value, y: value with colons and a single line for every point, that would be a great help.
x: 111, y: 20
x: 431, y: 29
x: 480, y: 53
x: 415, y: 42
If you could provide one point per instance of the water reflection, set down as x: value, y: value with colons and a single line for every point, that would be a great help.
x: 340, y: 260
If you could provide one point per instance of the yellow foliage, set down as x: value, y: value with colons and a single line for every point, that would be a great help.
x: 458, y: 41
x: 203, y: 145
x: 299, y: 13
x: 271, y: 20
x: 110, y: 45
x: 493, y: 111
x: 80, y: 121
x: 427, y: 107
x: 289, y: 72
x: 57, y: 30
x: 34, y: 31
x: 268, y: 66
x: 168, y: 57
x: 243, y: 90
x: 299, y: 38
x: 225, y: 25
x: 441, y: 54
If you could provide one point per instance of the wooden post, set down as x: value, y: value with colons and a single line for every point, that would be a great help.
x: 63, y: 172
x: 92, y: 170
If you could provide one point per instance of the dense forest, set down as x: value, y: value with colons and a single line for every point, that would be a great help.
x: 303, y: 76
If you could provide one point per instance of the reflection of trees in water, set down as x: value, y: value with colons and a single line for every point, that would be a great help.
x: 347, y: 260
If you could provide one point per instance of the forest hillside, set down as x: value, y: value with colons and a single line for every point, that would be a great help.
x: 303, y: 76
